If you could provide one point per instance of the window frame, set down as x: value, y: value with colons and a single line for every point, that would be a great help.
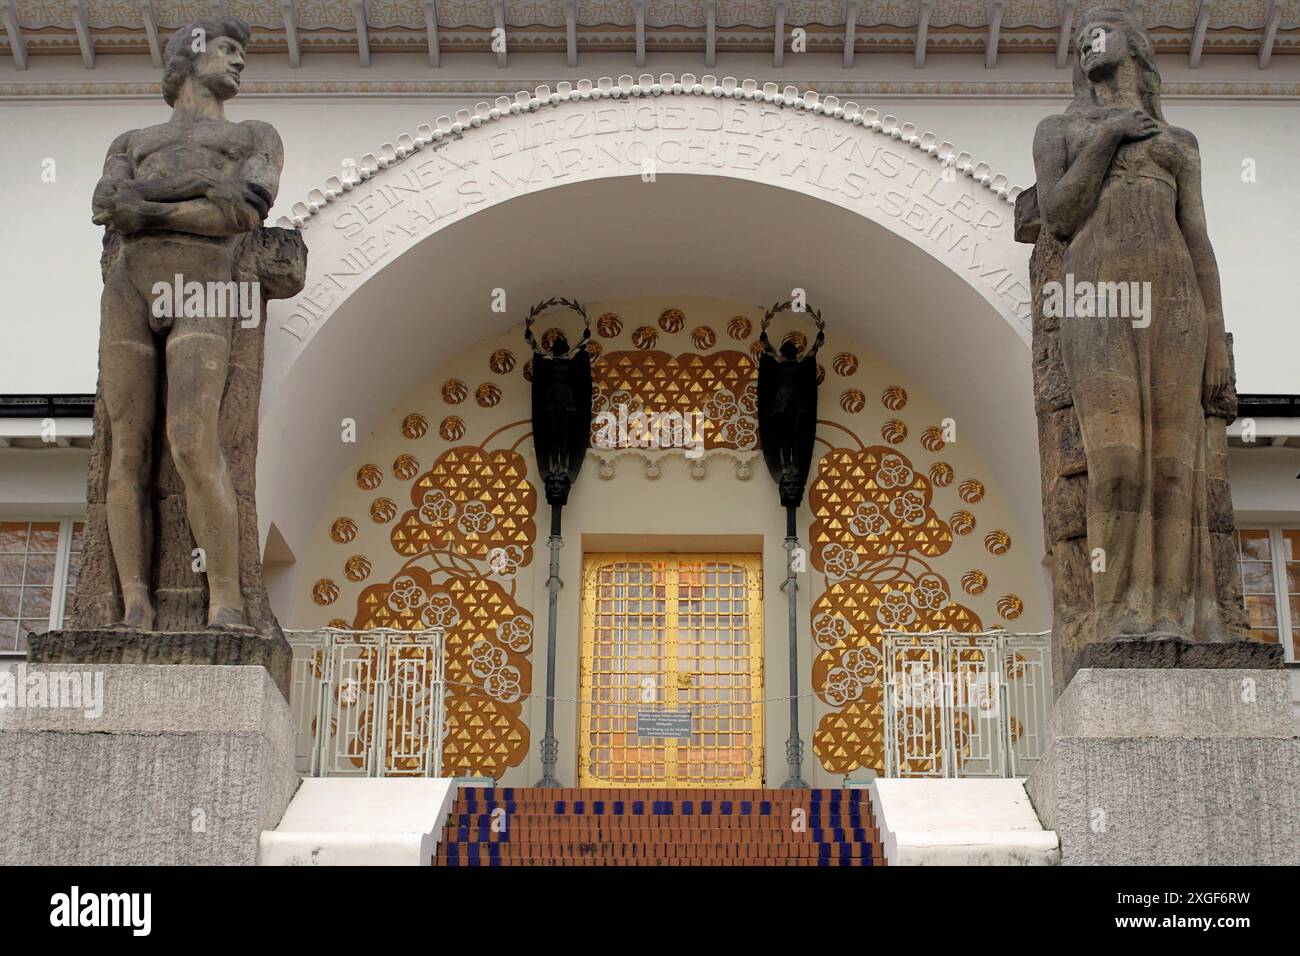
x: 62, y: 557
x: 1281, y: 592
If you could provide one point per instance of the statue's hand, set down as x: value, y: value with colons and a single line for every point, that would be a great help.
x: 1217, y: 370
x: 1133, y: 125
x: 119, y: 206
x: 239, y: 201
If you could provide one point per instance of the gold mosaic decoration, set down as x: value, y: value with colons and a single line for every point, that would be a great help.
x: 488, y: 669
x: 873, y: 528
x: 471, y: 501
x: 722, y: 386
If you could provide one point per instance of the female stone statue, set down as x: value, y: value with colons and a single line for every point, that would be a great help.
x: 1122, y: 189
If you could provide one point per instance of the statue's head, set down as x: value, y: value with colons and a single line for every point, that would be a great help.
x: 209, y: 52
x: 1108, y: 38
x: 560, y: 346
x: 789, y: 351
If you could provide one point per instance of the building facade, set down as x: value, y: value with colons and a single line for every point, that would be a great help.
x: 718, y: 158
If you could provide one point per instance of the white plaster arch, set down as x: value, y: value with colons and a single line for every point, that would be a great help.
x: 420, y: 202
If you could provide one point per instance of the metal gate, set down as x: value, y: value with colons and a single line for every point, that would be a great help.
x: 368, y: 703
x: 678, y: 635
x: 965, y: 705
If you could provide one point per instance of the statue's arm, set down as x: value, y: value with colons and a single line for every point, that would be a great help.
x: 1191, y: 220
x: 116, y: 184
x: 199, y: 201
x: 1068, y: 193
x: 263, y: 166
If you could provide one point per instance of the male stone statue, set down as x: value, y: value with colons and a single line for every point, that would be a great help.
x: 171, y: 571
x: 179, y: 197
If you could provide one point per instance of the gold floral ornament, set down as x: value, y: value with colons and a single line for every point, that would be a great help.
x: 672, y: 320
x: 487, y: 395
x: 343, y: 530
x: 846, y: 363
x: 974, y: 581
x: 704, y: 338
x: 383, y: 510
x: 645, y: 337
x: 894, y: 431
x: 962, y: 522
x: 739, y: 327
x: 971, y: 491
x: 357, y: 567
x: 325, y: 592
x: 369, y: 477
x: 609, y: 325
x: 528, y: 371
x: 454, y: 391
x: 415, y: 426
x: 1010, y: 607
x: 471, y: 501
x: 870, y: 506
x: 853, y: 401
x: 550, y: 337
x: 894, y: 397
x: 932, y: 439
x: 941, y: 474
x: 489, y: 638
x: 997, y: 542
x: 821, y: 374
x: 406, y: 467
x: 452, y: 428
x: 797, y: 339
x: 502, y: 361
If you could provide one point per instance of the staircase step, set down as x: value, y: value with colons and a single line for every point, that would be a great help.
x: 584, y: 826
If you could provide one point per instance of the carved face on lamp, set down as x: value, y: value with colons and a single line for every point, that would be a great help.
x: 1101, y: 47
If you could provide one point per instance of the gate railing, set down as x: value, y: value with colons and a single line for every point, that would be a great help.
x: 368, y: 703
x: 966, y: 705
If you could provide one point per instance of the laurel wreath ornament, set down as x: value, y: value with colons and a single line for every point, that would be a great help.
x: 545, y: 306
x: 788, y: 306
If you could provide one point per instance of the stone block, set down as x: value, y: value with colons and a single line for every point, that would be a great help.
x: 186, y: 765
x: 1172, y: 767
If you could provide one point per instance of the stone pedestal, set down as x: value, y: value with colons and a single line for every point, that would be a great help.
x: 1156, y: 766
x: 186, y: 764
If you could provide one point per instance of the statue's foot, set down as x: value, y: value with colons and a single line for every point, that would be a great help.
x: 1132, y: 624
x: 227, y: 619
x: 1166, y: 628
x: 138, y: 616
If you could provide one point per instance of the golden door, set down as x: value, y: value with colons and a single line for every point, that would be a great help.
x: 671, y: 633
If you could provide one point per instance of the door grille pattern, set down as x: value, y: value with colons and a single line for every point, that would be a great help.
x: 672, y: 633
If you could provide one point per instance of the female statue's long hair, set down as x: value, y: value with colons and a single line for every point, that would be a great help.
x: 1140, y: 48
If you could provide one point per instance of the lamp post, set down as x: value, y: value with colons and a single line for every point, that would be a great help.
x: 561, y: 433
x: 787, y: 426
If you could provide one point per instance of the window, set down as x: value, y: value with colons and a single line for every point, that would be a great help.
x: 39, y: 562
x: 1269, y: 559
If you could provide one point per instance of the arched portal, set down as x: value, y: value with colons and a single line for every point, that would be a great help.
x: 894, y: 233
x: 743, y: 202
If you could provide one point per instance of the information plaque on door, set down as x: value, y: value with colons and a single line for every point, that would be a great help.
x: 664, y: 723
